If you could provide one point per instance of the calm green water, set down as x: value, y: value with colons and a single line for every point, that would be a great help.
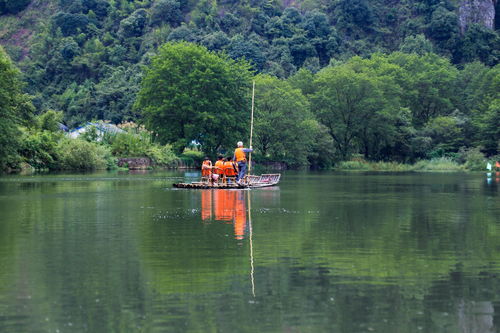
x: 324, y: 252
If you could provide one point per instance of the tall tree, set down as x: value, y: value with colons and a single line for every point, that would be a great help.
x: 353, y: 104
x: 14, y: 108
x: 428, y: 85
x: 282, y: 131
x: 189, y: 93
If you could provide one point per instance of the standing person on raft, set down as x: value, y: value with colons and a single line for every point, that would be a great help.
x: 241, y: 158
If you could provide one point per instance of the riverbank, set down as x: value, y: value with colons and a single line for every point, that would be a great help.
x: 44, y: 147
x: 442, y: 164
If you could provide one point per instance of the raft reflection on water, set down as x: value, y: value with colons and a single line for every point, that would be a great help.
x: 227, y: 206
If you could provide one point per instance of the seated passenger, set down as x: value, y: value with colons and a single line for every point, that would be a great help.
x: 230, y: 169
x: 206, y: 167
x: 219, y: 167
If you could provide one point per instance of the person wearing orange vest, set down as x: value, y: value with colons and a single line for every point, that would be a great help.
x: 206, y: 168
x: 230, y: 168
x: 241, y: 159
x: 219, y: 166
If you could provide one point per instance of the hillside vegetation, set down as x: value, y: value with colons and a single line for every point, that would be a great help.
x: 422, y: 74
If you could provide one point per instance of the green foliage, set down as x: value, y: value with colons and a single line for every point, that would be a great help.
x: 49, y: 121
x: 446, y: 133
x: 39, y: 141
x: 416, y: 44
x: 70, y: 24
x: 130, y: 144
x: 166, y: 11
x: 242, y: 48
x: 133, y: 25
x: 362, y: 165
x: 428, y: 84
x: 13, y: 6
x: 76, y: 154
x: 190, y: 93
x: 355, y: 105
x: 162, y: 155
x: 473, y: 158
x: 281, y: 128
x: 195, y: 156
x: 39, y: 148
x: 444, y: 24
x: 86, y: 58
x: 489, y: 129
x: 480, y: 43
x: 15, y: 109
x: 438, y: 164
x: 353, y: 165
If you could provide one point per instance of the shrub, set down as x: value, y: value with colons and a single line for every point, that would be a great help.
x: 162, y: 155
x: 39, y: 149
x: 353, y: 165
x: 195, y: 156
x: 390, y: 166
x: 438, y: 164
x: 130, y: 145
x: 473, y: 159
x: 82, y: 155
x: 362, y: 165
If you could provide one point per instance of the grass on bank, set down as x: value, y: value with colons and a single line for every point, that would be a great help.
x: 441, y: 164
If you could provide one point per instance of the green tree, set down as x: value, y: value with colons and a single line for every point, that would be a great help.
x: 428, y: 84
x: 70, y: 24
x: 133, y: 25
x: 189, y: 93
x: 480, y: 43
x: 416, y: 44
x: 166, y: 11
x: 303, y: 80
x: 446, y: 133
x: 281, y: 129
x: 13, y: 6
x: 39, y: 140
x: 346, y: 101
x: 15, y: 108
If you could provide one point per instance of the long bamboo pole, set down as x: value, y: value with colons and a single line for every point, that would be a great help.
x: 251, y: 129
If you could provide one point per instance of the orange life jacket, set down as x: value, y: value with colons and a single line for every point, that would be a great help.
x: 229, y: 169
x: 221, y: 210
x: 220, y: 165
x: 206, y: 168
x: 497, y: 164
x: 206, y: 205
x: 240, y: 216
x: 240, y: 155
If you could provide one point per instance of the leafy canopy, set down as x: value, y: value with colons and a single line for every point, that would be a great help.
x: 189, y: 93
x: 15, y: 108
x: 282, y: 128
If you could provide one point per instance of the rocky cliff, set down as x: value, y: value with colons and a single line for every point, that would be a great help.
x: 476, y: 11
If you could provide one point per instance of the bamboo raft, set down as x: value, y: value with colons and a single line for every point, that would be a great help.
x: 251, y: 181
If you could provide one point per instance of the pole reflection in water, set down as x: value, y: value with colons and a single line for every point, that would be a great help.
x: 230, y: 206
x: 227, y: 206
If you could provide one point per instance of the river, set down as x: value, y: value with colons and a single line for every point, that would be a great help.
x: 323, y: 252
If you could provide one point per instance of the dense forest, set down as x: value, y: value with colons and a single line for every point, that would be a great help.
x: 387, y: 80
